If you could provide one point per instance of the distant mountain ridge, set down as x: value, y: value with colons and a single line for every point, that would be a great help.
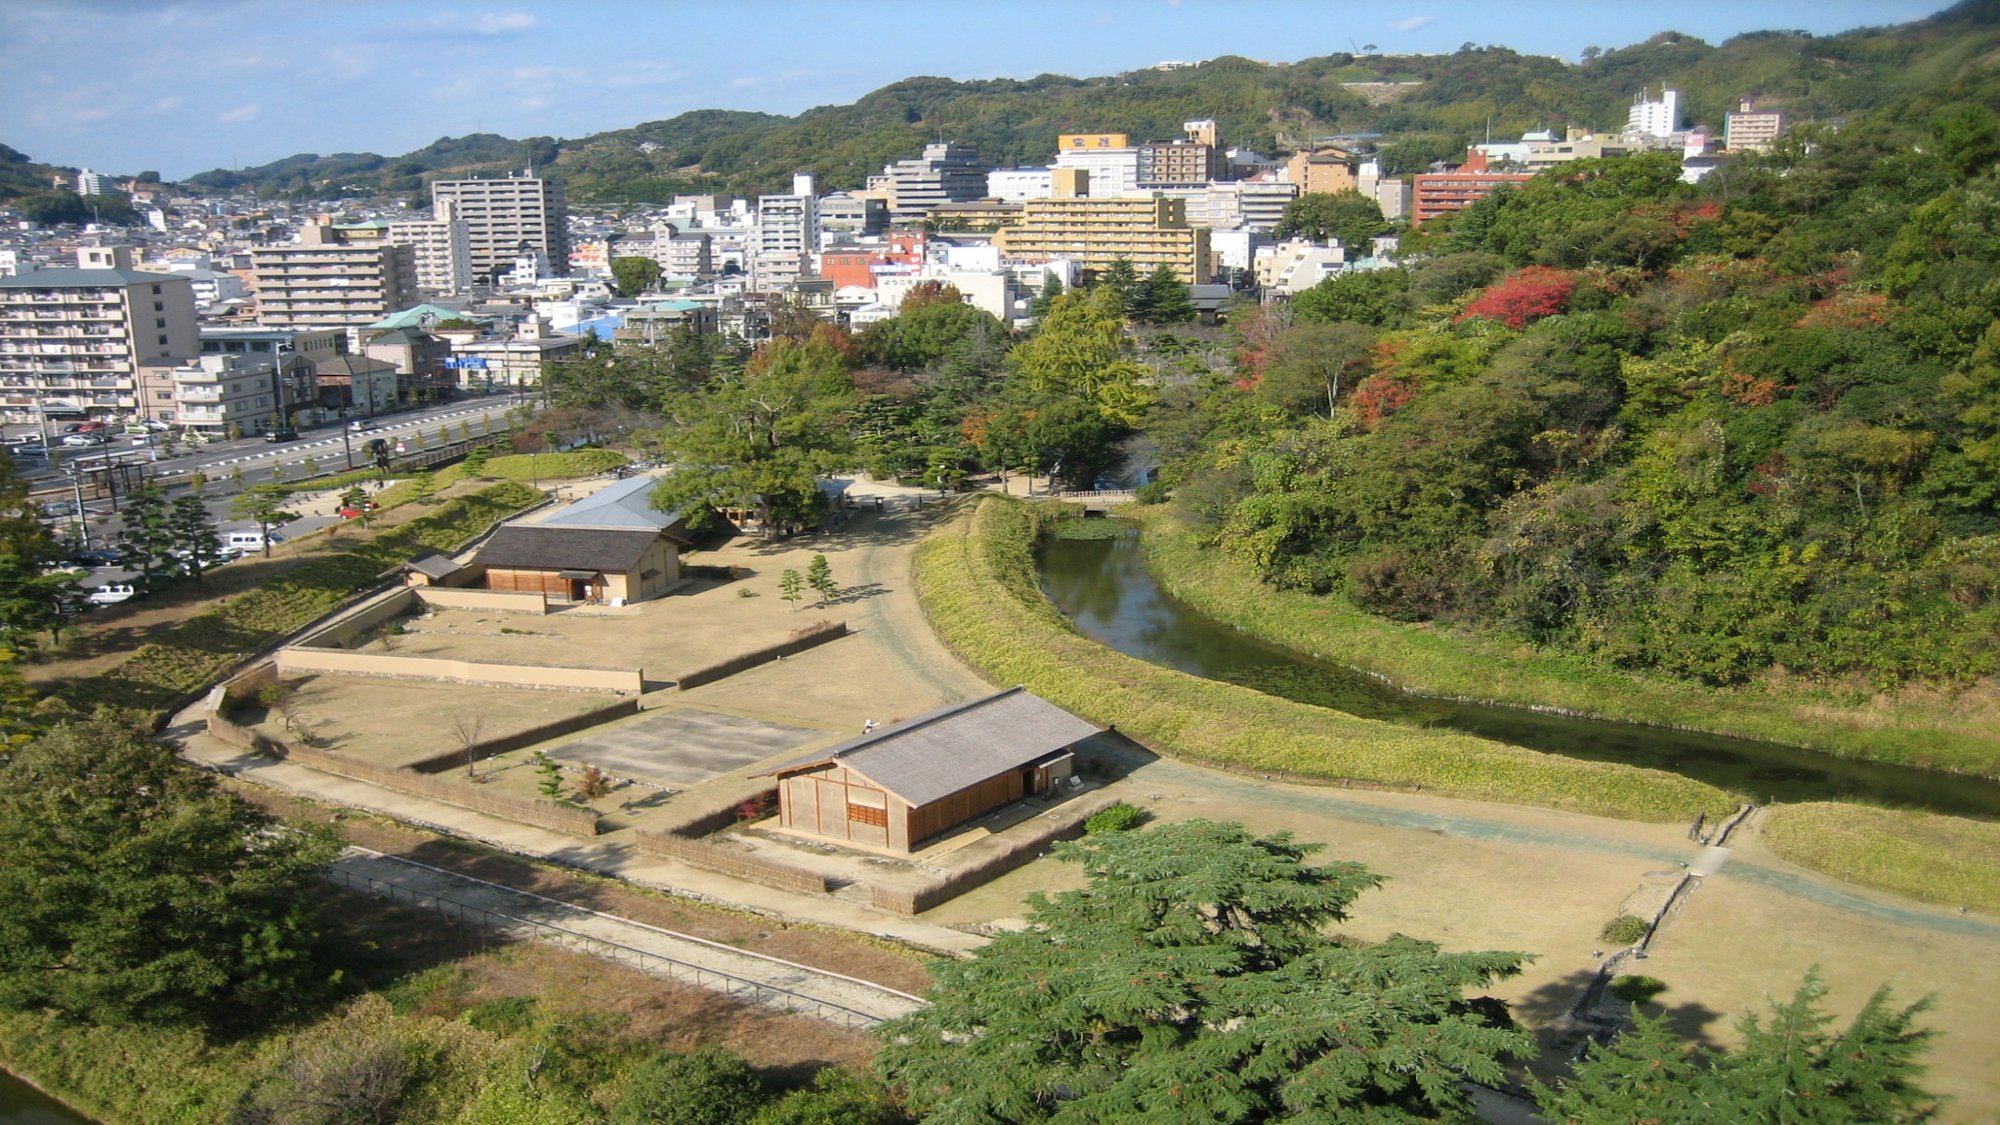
x: 1459, y: 98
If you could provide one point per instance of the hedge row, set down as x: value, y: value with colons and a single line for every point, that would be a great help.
x: 166, y: 673
x: 977, y: 582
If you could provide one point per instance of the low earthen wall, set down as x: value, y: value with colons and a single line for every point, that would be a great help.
x: 480, y: 751
x: 344, y: 631
x: 712, y: 857
x: 295, y: 660
x: 1019, y: 853
x: 811, y: 638
x: 500, y: 601
x: 525, y: 810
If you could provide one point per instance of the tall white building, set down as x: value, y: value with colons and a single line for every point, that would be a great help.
x: 787, y: 234
x: 92, y: 183
x: 442, y: 247
x: 508, y: 217
x: 1018, y: 184
x: 1114, y: 171
x: 945, y: 173
x: 1650, y: 118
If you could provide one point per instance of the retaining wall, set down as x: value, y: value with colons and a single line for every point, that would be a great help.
x: 811, y: 638
x: 342, y: 632
x: 541, y: 814
x: 295, y: 660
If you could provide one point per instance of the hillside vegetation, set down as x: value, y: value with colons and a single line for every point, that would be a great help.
x: 1263, y: 106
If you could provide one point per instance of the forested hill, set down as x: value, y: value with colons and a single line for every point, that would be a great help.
x: 1436, y: 104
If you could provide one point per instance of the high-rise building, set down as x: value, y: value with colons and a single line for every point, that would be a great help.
x: 1434, y: 193
x: 442, y: 248
x: 1095, y: 232
x: 1649, y: 118
x: 945, y: 173
x: 787, y: 235
x: 333, y: 277
x: 507, y: 217
x: 71, y: 340
x: 1193, y: 159
x: 93, y: 183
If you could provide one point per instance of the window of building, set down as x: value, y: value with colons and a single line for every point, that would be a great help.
x: 156, y: 290
x: 160, y: 322
x: 163, y: 341
x: 159, y: 306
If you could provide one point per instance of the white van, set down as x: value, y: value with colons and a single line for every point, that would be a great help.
x: 111, y: 594
x: 244, y: 542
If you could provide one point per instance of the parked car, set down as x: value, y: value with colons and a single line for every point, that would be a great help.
x: 349, y: 511
x: 155, y: 425
x: 92, y: 426
x: 58, y: 509
x: 282, y: 433
x: 361, y: 424
x: 96, y: 558
x: 28, y: 450
x: 86, y: 439
x: 111, y: 594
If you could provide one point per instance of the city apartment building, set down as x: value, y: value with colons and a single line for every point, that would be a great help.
x: 333, y: 277
x: 1251, y: 204
x: 441, y: 247
x: 1434, y: 193
x: 1096, y: 232
x: 853, y: 214
x: 72, y: 340
x: 1659, y: 119
x: 787, y: 235
x: 1193, y: 159
x: 506, y: 217
x: 217, y: 395
x: 1749, y: 129
x: 1321, y: 171
x: 1108, y: 158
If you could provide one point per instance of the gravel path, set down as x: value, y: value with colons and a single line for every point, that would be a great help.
x: 752, y: 977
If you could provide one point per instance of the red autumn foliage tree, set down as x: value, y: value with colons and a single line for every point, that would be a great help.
x: 1524, y: 295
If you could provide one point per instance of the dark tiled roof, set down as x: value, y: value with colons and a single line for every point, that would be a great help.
x: 430, y: 564
x: 940, y: 753
x: 534, y: 547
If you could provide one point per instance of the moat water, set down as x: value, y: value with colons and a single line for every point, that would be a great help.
x: 22, y: 1104
x: 1104, y: 587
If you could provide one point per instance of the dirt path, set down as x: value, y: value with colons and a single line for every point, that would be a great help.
x: 747, y: 976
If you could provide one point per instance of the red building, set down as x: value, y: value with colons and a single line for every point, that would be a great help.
x: 1434, y: 193
x: 855, y: 265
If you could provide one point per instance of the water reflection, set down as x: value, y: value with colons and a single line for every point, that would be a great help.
x: 1103, y: 585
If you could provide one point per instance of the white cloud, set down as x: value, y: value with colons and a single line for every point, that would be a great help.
x: 485, y: 23
x: 169, y: 104
x: 1411, y: 24
x: 240, y: 114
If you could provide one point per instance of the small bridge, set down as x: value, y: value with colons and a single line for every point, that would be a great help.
x: 1098, y: 500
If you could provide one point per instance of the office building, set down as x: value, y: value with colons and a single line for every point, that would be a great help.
x: 506, y: 217
x: 1650, y: 118
x: 333, y: 277
x: 71, y: 340
x: 1108, y: 158
x: 842, y: 213
x: 945, y: 173
x: 1192, y: 159
x: 1018, y: 184
x: 1095, y: 232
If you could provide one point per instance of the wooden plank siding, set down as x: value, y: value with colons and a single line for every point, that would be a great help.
x: 954, y: 809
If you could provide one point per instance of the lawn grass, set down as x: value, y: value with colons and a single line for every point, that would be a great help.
x: 1942, y: 859
x: 976, y: 580
x: 1926, y: 729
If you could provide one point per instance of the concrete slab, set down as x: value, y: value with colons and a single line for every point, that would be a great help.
x: 684, y: 746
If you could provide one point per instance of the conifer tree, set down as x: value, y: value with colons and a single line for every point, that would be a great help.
x: 819, y: 575
x: 147, y: 543
x: 192, y: 534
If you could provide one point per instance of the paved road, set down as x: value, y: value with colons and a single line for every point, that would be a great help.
x: 748, y: 976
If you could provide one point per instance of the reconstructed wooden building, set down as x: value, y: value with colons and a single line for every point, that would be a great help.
x: 903, y: 784
x: 610, y: 546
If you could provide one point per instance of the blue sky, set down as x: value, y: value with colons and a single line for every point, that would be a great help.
x: 125, y: 85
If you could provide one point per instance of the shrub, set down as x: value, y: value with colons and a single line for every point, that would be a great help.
x: 757, y: 807
x: 1637, y: 989
x: 707, y: 1086
x: 1152, y: 492
x: 1625, y: 929
x: 1120, y: 817
x: 1527, y: 294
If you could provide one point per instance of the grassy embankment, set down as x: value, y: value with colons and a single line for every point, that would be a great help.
x: 976, y: 579
x: 1917, y: 729
x: 1943, y: 858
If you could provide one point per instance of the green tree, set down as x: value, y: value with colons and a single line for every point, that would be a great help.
x: 1162, y: 299
x: 137, y: 888
x: 706, y: 1086
x: 836, y: 1097
x: 146, y: 545
x: 791, y: 586
x: 634, y: 275
x: 356, y: 498
x: 475, y: 462
x: 1052, y: 287
x: 1790, y: 1070
x: 266, y: 509
x: 1372, y: 297
x: 760, y: 439
x: 550, y: 781
x: 1190, y: 981
x: 30, y: 600
x: 1121, y: 281
x: 192, y: 533
x: 423, y: 486
x: 1079, y: 350
x: 1346, y: 217
x: 819, y: 575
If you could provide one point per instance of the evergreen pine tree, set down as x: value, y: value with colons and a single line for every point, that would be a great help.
x: 791, y: 587
x: 1162, y: 299
x: 1121, y: 279
x: 819, y: 575
x: 147, y: 543
x: 192, y: 533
